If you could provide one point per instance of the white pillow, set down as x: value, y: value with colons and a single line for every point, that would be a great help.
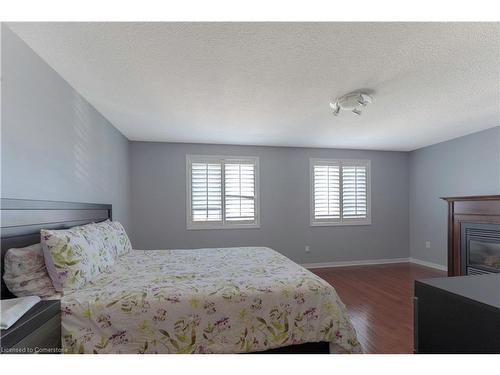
x: 75, y: 256
x: 25, y: 273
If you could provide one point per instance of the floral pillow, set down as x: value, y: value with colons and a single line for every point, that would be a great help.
x: 115, y: 237
x: 25, y: 273
x: 75, y: 256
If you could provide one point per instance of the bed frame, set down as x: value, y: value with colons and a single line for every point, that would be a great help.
x: 22, y: 220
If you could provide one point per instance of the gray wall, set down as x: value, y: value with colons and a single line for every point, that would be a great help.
x: 158, y: 175
x: 468, y: 165
x: 55, y: 145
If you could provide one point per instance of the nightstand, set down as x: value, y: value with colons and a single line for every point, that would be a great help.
x: 38, y: 331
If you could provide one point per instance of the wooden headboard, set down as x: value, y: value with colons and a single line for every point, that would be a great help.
x: 21, y: 221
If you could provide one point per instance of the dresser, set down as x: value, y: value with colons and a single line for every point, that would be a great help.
x: 457, y: 314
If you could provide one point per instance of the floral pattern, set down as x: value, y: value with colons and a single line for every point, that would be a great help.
x: 229, y: 300
x: 25, y: 273
x: 115, y: 237
x: 76, y: 256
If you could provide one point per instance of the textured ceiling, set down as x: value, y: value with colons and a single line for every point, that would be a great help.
x: 270, y: 83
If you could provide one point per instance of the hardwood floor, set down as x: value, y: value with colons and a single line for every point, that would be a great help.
x: 379, y: 299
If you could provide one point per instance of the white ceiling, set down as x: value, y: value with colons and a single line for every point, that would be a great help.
x: 270, y: 83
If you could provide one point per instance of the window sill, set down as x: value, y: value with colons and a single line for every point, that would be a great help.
x: 221, y: 227
x: 340, y: 223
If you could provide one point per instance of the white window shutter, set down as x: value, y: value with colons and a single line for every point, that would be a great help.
x: 206, y: 192
x: 340, y: 192
x: 326, y: 187
x: 239, y: 190
x: 354, y: 192
x: 222, y: 192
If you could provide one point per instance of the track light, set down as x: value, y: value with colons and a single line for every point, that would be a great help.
x: 353, y: 102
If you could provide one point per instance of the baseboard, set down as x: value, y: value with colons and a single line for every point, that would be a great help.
x: 355, y: 263
x: 428, y: 264
x: 371, y: 262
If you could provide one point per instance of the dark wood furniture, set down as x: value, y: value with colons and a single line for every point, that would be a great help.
x: 307, y: 348
x: 38, y: 331
x: 471, y: 209
x: 457, y: 314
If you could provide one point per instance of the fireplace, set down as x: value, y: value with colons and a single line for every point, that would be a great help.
x: 473, y: 235
x: 480, y: 247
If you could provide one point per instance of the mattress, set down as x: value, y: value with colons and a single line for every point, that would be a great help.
x: 228, y: 300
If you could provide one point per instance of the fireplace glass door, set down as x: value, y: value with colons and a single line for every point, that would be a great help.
x: 480, y: 248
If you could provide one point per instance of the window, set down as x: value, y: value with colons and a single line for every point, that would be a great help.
x: 340, y: 192
x: 222, y: 192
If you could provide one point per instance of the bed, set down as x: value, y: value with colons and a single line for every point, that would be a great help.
x: 228, y: 300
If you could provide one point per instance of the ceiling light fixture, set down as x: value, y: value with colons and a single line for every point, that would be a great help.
x: 354, y: 102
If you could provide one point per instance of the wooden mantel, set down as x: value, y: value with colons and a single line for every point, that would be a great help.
x: 471, y: 209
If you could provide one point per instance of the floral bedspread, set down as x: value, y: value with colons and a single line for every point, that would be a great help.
x: 228, y: 300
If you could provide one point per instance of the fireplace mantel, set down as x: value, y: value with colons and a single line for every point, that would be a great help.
x: 468, y: 209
